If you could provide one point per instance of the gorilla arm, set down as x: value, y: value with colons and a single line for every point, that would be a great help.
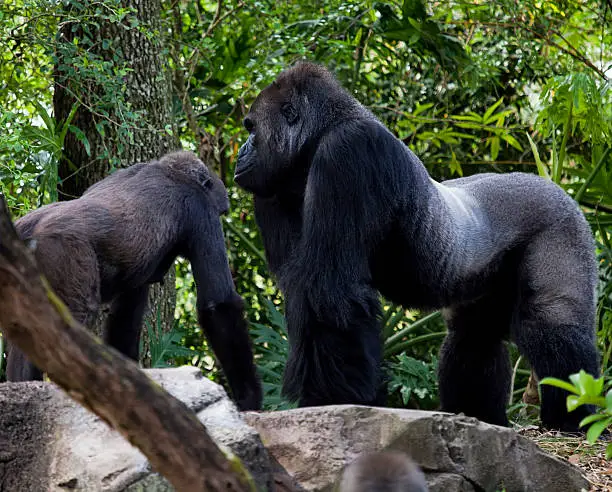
x: 331, y: 307
x: 279, y: 219
x: 221, y: 314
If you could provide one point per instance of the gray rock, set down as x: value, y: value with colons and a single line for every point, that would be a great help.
x: 456, y: 453
x: 151, y: 483
x: 442, y: 482
x: 50, y: 443
x: 24, y: 436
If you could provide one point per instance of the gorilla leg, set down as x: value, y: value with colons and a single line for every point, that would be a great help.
x: 557, y: 351
x: 328, y: 365
x: 70, y: 266
x: 555, y: 325
x: 338, y: 367
x: 474, y: 371
x: 124, y: 322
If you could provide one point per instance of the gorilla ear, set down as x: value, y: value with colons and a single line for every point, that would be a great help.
x: 205, y: 180
x: 290, y: 113
x: 201, y: 175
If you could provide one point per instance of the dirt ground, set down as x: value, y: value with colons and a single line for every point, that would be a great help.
x: 591, y: 458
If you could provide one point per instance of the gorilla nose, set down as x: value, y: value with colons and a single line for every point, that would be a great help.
x: 248, y: 124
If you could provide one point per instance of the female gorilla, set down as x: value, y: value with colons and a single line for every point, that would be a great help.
x: 124, y: 234
x: 347, y: 210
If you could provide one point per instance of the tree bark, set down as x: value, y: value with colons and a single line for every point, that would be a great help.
x: 167, y: 432
x: 132, y: 110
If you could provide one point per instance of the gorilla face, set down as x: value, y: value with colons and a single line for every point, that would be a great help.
x: 274, y: 125
x: 284, y: 123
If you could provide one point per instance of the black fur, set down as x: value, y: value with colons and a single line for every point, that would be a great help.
x: 124, y: 234
x: 383, y: 471
x: 347, y: 211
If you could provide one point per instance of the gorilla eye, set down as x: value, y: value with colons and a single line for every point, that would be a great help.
x: 289, y: 112
x: 276, y: 85
x: 248, y: 124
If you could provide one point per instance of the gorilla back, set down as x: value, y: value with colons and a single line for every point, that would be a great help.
x: 347, y: 210
x: 124, y: 234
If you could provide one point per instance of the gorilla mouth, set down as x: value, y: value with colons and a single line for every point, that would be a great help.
x: 244, y: 164
x: 242, y: 168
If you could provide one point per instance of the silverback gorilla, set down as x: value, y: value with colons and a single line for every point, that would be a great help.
x: 346, y: 211
x: 123, y: 234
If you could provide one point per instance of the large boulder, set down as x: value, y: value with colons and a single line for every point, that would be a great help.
x: 50, y: 443
x: 456, y: 453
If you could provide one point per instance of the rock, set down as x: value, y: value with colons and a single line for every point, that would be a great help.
x: 441, y: 482
x: 456, y: 453
x: 50, y: 443
x: 24, y: 436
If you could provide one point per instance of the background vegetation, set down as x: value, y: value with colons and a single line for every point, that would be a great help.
x: 470, y: 86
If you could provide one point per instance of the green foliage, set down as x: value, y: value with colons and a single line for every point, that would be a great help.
x: 399, y: 336
x: 586, y: 390
x: 272, y: 351
x: 165, y: 347
x: 414, y: 381
x: 29, y: 155
x: 421, y: 32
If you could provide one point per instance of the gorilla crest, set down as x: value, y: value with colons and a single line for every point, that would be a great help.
x: 347, y: 211
x: 124, y: 234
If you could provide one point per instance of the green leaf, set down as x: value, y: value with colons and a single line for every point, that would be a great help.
x: 66, y: 124
x: 609, y: 401
x: 542, y: 171
x: 470, y: 126
x: 573, y: 402
x: 587, y: 384
x: 46, y: 117
x: 81, y: 137
x: 421, y: 108
x: 512, y: 141
x: 495, y: 142
x: 559, y: 384
x: 466, y: 136
x: 486, y: 117
x: 587, y: 182
x: 591, y: 418
x: 596, y: 429
x: 471, y: 116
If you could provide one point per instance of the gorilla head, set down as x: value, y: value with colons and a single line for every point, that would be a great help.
x: 383, y: 471
x: 285, y: 123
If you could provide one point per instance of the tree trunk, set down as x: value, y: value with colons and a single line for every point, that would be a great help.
x: 122, y: 109
x: 103, y: 380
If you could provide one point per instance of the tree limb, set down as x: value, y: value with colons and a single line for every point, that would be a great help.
x: 167, y: 432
